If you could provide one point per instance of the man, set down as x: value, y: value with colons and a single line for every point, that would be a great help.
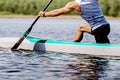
x: 90, y: 11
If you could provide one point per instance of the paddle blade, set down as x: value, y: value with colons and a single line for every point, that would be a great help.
x: 18, y: 43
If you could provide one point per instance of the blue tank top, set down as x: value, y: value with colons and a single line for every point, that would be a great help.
x: 91, y: 12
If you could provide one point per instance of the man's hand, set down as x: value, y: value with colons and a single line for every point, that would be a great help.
x: 41, y: 14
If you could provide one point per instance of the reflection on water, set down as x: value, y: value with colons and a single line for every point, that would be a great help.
x: 88, y: 68
x: 50, y: 65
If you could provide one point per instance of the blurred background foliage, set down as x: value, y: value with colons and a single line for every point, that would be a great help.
x: 32, y: 7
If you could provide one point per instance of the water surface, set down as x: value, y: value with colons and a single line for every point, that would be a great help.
x: 55, y: 66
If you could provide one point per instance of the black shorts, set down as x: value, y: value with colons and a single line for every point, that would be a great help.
x: 101, y: 34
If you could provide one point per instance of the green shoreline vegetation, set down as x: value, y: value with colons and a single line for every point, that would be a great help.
x: 32, y: 7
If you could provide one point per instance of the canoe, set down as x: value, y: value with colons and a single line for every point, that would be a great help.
x: 39, y: 44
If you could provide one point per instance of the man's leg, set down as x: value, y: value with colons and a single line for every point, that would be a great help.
x: 101, y: 34
x: 80, y: 30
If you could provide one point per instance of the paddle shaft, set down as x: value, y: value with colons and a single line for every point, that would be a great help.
x: 17, y: 44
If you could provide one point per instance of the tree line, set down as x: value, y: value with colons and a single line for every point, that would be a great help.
x: 32, y: 7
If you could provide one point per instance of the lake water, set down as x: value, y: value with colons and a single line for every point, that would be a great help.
x: 55, y: 66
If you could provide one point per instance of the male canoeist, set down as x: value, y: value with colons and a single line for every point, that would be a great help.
x: 90, y: 11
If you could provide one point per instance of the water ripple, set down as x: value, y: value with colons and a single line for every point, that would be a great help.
x: 26, y: 65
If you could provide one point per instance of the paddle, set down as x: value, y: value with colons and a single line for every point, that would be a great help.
x: 29, y: 29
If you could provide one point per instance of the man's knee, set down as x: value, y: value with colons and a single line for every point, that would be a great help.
x: 84, y: 28
x: 102, y: 39
x: 81, y: 27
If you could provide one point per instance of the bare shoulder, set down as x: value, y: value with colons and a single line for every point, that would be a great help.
x: 73, y: 5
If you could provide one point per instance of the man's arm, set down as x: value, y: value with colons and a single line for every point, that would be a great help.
x: 71, y: 6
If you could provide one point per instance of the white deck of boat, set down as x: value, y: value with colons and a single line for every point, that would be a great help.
x: 8, y: 42
x: 66, y: 48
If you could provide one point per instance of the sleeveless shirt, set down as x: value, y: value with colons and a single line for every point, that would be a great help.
x: 91, y: 12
